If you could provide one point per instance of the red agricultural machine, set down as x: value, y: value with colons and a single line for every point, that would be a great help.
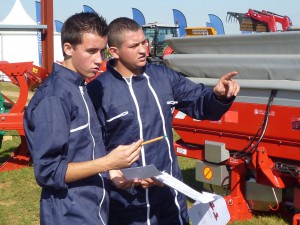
x: 26, y: 76
x: 261, y: 21
x: 254, y: 149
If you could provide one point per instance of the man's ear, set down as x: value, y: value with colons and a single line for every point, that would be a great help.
x: 114, y: 52
x: 68, y: 49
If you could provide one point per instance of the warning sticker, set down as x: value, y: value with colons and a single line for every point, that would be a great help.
x: 295, y: 123
x: 208, y: 173
x: 181, y: 150
x: 35, y: 70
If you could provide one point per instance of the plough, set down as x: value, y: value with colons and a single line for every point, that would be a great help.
x: 27, y: 77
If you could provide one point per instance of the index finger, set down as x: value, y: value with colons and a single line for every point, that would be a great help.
x: 228, y: 76
x: 138, y: 143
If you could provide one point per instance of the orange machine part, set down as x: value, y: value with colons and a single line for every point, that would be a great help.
x: 13, y: 120
x: 236, y: 129
x: 281, y: 138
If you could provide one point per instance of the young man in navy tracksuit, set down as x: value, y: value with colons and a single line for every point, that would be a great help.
x: 135, y: 100
x: 64, y: 135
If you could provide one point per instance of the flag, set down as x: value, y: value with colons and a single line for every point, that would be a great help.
x: 87, y: 8
x: 138, y: 16
x: 180, y: 20
x: 209, y: 24
x: 58, y: 25
x: 216, y: 23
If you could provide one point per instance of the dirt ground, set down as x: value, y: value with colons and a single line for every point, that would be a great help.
x: 13, y: 95
x: 16, y: 94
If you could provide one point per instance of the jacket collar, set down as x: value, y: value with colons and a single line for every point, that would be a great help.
x: 110, y: 67
x: 66, y: 74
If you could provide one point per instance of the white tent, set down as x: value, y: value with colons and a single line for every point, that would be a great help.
x: 22, y: 46
x: 17, y: 15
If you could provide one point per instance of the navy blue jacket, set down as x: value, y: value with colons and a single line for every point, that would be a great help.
x: 142, y: 107
x: 61, y: 126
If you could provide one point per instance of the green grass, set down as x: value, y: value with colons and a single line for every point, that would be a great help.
x: 19, y: 197
x: 19, y: 193
x: 8, y: 146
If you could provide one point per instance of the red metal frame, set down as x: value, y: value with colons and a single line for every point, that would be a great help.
x: 236, y: 129
x: 236, y: 203
x: 296, y: 219
x: 24, y: 75
x: 13, y: 120
x: 47, y: 35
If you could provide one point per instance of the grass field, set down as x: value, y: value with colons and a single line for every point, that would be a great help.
x: 19, y: 193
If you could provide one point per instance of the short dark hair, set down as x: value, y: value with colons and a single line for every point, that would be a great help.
x: 117, y: 27
x: 79, y: 23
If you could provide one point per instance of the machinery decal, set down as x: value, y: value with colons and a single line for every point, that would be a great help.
x: 208, y: 173
x: 231, y: 117
x: 182, y: 151
x: 296, y: 123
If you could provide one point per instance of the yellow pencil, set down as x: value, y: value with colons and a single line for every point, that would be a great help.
x: 153, y: 140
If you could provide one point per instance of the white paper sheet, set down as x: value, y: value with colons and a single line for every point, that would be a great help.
x: 167, y: 179
x: 152, y: 171
x: 140, y: 172
x: 215, y: 212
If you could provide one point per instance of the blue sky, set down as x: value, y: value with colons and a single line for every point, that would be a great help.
x: 195, y: 11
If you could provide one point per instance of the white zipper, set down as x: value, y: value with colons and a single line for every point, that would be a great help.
x: 88, y: 114
x: 89, y: 126
x: 138, y: 116
x: 142, y: 150
x: 167, y: 139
